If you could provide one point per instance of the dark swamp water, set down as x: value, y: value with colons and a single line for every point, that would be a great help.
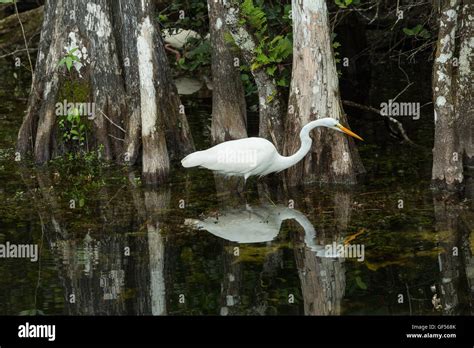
x: 196, y: 247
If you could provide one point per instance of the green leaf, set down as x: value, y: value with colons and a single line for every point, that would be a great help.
x: 271, y: 70
x: 62, y: 62
x: 69, y: 63
x: 254, y: 66
x: 360, y: 283
x: 425, y: 34
x: 81, y: 202
x: 282, y: 82
x: 417, y: 29
x: 409, y: 32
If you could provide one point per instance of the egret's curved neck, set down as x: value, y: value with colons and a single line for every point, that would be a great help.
x: 286, y: 162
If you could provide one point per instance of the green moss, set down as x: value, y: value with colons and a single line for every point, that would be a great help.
x: 74, y: 91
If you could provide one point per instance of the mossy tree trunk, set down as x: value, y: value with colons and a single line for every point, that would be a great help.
x: 270, y: 105
x: 229, y: 115
x: 124, y: 72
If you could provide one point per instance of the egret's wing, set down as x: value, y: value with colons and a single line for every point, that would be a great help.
x: 238, y: 157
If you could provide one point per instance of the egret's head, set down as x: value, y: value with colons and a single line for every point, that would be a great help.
x: 332, y: 123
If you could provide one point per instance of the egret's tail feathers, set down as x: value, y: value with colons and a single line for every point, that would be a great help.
x: 192, y: 160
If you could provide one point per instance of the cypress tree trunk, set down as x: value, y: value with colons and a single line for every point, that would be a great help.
x: 270, y: 106
x: 447, y: 161
x: 229, y: 114
x: 314, y: 94
x: 465, y: 85
x: 123, y: 71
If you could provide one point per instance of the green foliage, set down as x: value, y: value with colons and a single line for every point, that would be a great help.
x: 346, y: 3
x: 198, y: 55
x: 268, y: 53
x: 73, y: 127
x: 30, y: 312
x: 418, y: 32
x: 335, y: 46
x: 272, y: 51
x: 195, y: 16
x: 69, y: 59
x: 254, y: 16
x: 249, y: 86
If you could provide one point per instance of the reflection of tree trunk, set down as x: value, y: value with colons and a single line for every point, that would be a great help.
x: 93, y: 266
x: 232, y: 280
x: 150, y: 206
x: 227, y: 194
x: 228, y: 190
x: 322, y: 283
x: 154, y: 202
x: 453, y: 286
x: 95, y: 287
x: 323, y: 279
x: 467, y: 225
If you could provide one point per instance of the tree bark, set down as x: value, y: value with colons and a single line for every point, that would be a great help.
x: 229, y: 114
x: 465, y: 87
x: 314, y: 94
x: 447, y: 162
x: 270, y: 107
x: 126, y: 74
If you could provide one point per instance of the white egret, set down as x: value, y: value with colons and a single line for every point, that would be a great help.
x: 257, y: 156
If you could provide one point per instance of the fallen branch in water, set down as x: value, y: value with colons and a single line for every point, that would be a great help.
x: 377, y: 111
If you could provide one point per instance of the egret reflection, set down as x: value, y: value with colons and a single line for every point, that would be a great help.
x: 258, y: 224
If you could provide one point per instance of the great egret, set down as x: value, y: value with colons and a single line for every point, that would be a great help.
x: 257, y: 156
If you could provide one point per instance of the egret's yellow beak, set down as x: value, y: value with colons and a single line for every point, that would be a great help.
x: 348, y: 131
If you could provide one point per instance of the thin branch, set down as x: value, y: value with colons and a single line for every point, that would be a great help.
x: 116, y: 125
x: 24, y: 39
x: 402, y: 91
x: 110, y: 135
x: 377, y: 111
x: 17, y: 51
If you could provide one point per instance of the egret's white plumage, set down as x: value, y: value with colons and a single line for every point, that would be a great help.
x: 256, y: 156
